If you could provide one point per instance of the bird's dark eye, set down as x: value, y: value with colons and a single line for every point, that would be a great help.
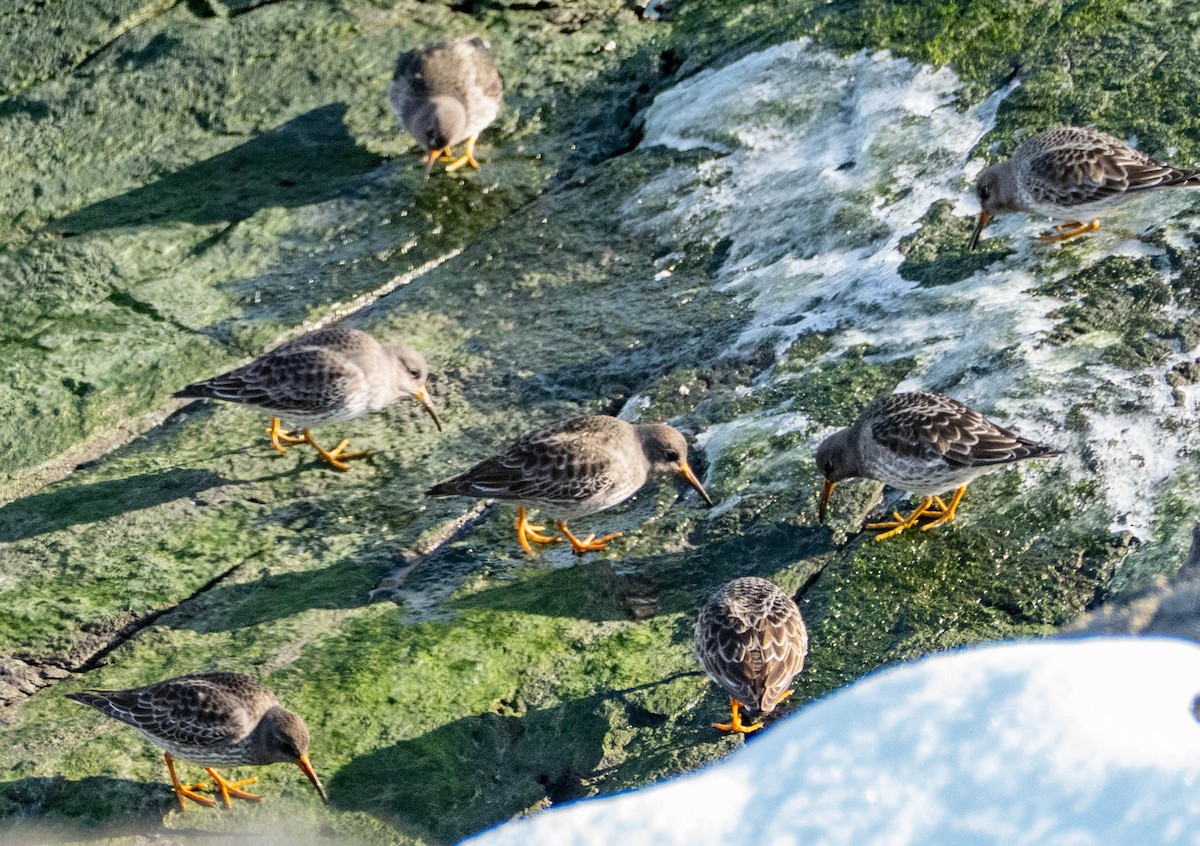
x: 827, y: 468
x: 672, y: 455
x: 984, y: 192
x: 416, y: 374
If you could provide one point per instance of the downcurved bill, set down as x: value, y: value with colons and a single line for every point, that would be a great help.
x: 423, y: 396
x: 984, y: 219
x: 686, y: 472
x: 433, y: 156
x: 826, y: 490
x: 312, y: 776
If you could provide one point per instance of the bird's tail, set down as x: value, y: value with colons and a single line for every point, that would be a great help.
x: 95, y: 698
x: 199, y: 390
x: 1190, y: 179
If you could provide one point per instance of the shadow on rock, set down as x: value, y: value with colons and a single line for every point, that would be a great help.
x: 57, y: 809
x: 228, y: 607
x: 645, y: 586
x: 63, y: 507
x: 303, y: 161
x: 477, y: 771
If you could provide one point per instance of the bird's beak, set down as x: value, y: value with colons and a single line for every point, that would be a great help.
x: 429, y: 160
x: 423, y: 396
x: 826, y: 490
x: 312, y: 776
x: 686, y: 472
x: 985, y: 217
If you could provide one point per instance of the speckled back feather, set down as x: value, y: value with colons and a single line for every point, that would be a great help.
x: 929, y: 426
x: 1073, y: 166
x: 194, y: 712
x: 572, y: 461
x: 751, y: 639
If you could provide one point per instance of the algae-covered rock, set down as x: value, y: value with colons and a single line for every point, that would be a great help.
x: 746, y: 218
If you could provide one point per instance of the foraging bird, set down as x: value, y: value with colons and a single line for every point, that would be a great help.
x: 328, y: 376
x: 1071, y: 173
x: 445, y: 93
x: 574, y: 468
x: 212, y: 720
x: 923, y: 443
x: 751, y: 640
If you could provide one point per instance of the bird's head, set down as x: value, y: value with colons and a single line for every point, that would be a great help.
x: 411, y: 373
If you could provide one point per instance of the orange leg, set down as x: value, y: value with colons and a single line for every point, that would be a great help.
x: 1066, y: 232
x: 901, y: 523
x: 336, y: 456
x: 589, y: 544
x: 735, y: 723
x: 467, y: 158
x: 279, y: 437
x: 186, y: 791
x: 230, y: 788
x: 527, y: 532
x: 947, y: 512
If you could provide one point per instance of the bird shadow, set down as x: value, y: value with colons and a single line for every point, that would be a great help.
x: 228, y: 607
x: 478, y: 770
x: 303, y: 161
x: 57, y: 809
x: 645, y: 586
x: 73, y: 504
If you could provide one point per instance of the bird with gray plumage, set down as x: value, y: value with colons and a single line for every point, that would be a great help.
x: 923, y: 443
x: 211, y: 720
x: 1071, y: 173
x: 329, y: 376
x: 751, y: 640
x: 445, y: 93
x: 574, y: 468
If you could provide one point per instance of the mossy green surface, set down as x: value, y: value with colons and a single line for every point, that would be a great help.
x: 186, y: 184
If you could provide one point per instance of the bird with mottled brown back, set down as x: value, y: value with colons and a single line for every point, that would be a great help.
x: 923, y: 443
x: 447, y: 92
x: 329, y: 376
x: 574, y: 468
x: 1071, y: 173
x: 752, y: 641
x: 212, y: 720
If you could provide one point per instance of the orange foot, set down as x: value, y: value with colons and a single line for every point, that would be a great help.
x: 1066, y: 232
x: 589, y: 544
x: 735, y: 723
x: 900, y: 523
x: 279, y: 436
x: 467, y: 158
x: 527, y: 532
x: 186, y: 791
x: 946, y: 512
x: 336, y: 456
x: 229, y: 789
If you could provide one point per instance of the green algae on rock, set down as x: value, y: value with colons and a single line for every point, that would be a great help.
x: 224, y: 174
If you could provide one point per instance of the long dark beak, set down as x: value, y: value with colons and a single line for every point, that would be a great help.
x: 430, y: 159
x: 686, y: 472
x: 984, y: 219
x: 312, y: 776
x: 826, y: 490
x: 423, y: 396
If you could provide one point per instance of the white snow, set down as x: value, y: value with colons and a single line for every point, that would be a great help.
x: 1048, y: 743
x: 821, y: 166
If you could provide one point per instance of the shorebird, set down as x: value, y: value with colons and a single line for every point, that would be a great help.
x: 572, y: 469
x: 751, y: 640
x: 329, y: 376
x: 923, y: 443
x: 445, y: 93
x: 211, y: 720
x: 1071, y: 173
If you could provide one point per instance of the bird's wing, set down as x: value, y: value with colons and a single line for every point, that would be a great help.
x: 928, y: 426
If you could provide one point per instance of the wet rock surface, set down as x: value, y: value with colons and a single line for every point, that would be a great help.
x: 187, y: 184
